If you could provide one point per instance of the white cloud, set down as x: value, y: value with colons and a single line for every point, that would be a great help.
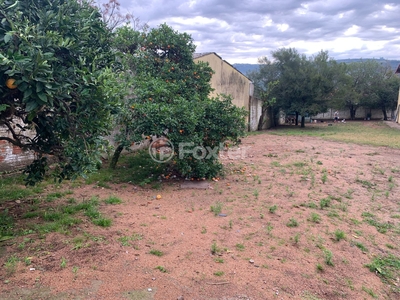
x: 242, y: 31
x: 353, y: 30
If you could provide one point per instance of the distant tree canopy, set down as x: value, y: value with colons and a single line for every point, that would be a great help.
x: 56, y: 82
x: 369, y: 84
x: 308, y: 86
x: 302, y: 86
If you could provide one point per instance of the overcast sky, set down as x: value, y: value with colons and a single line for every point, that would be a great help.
x: 241, y: 31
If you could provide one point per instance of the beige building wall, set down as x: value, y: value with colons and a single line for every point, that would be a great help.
x: 227, y: 80
x: 398, y: 109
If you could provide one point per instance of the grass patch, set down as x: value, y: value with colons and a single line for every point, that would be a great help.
x: 315, y: 218
x: 339, y: 235
x: 6, y: 225
x: 215, y: 249
x: 113, y: 200
x: 387, y: 268
x: 240, y: 247
x: 309, y: 205
x: 216, y: 208
x: 11, y: 265
x: 292, y: 223
x: 219, y: 273
x: 360, y: 246
x: 161, y: 269
x: 272, y: 209
x: 136, y: 168
x: 156, y: 252
x: 369, y: 292
x: 328, y: 256
x: 352, y: 132
x: 371, y: 219
x: 325, y: 202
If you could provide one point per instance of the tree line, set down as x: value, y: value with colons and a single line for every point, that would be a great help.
x: 293, y: 83
x: 70, y: 72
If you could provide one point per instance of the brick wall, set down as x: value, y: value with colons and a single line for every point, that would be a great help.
x: 12, y: 157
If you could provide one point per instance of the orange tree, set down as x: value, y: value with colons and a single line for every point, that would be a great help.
x: 169, y: 98
x: 56, y: 88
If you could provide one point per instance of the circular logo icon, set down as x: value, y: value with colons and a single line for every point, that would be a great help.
x: 161, y: 150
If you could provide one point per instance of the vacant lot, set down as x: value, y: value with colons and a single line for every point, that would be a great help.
x: 306, y: 214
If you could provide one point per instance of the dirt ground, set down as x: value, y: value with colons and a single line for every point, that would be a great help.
x: 288, y: 221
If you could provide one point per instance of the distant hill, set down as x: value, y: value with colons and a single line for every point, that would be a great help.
x: 246, y: 68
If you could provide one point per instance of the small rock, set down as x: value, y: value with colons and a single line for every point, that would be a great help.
x: 251, y: 261
x: 32, y: 269
x: 149, y: 290
x: 153, y: 278
x: 18, y: 201
x: 222, y: 215
x: 180, y: 298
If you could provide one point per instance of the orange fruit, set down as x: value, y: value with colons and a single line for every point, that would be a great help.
x: 158, y: 197
x: 10, y: 83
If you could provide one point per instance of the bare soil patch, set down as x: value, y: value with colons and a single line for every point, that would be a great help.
x: 297, y: 218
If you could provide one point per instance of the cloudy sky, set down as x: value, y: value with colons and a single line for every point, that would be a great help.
x: 241, y: 31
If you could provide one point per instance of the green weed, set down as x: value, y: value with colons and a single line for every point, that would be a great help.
x: 292, y: 223
x: 63, y: 263
x: 216, y: 208
x: 314, y: 217
x: 161, y: 269
x: 387, y: 268
x: 369, y: 292
x: 339, y: 235
x: 328, y: 256
x: 272, y: 209
x: 325, y: 202
x: 219, y: 273
x: 240, y: 247
x: 360, y: 246
x: 156, y: 252
x: 113, y: 200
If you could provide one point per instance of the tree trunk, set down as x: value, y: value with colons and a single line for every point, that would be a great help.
x: 115, y: 157
x: 352, y: 113
x: 261, y: 121
x: 384, y: 112
x: 297, y: 118
x: 272, y: 116
x: 303, y: 121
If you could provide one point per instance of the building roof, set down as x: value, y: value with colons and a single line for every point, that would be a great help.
x: 198, y: 55
x: 398, y: 70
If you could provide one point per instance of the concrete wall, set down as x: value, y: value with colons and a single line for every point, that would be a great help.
x: 397, y: 112
x: 228, y: 80
x: 256, y: 113
x: 361, y: 113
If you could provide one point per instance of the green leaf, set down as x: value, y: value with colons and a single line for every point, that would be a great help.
x: 3, y: 107
x: 31, y: 105
x: 23, y: 86
x: 27, y: 94
x: 39, y: 87
x: 7, y: 37
x: 43, y: 97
